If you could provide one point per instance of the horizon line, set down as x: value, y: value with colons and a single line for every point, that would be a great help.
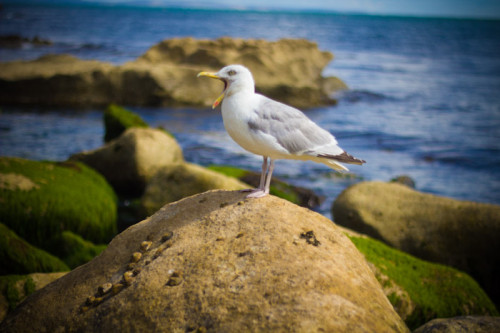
x: 250, y: 9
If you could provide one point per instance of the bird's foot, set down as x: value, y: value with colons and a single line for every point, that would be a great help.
x: 247, y: 190
x: 257, y: 193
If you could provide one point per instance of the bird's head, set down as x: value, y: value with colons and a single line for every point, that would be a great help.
x: 235, y: 77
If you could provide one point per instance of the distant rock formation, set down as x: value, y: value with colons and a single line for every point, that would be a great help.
x: 217, y: 262
x: 288, y: 70
x: 461, y: 234
x: 16, y: 41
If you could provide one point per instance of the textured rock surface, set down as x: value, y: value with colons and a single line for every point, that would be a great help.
x: 288, y: 70
x: 177, y: 181
x: 129, y: 161
x: 461, y: 234
x: 476, y: 324
x: 219, y: 263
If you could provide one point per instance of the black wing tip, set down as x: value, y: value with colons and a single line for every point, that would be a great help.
x: 344, y: 157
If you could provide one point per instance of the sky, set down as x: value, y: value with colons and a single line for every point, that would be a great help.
x: 440, y: 8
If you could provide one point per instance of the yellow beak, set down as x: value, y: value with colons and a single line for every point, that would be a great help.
x: 214, y: 76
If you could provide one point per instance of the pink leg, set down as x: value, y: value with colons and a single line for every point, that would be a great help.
x: 263, y: 190
x: 262, y: 178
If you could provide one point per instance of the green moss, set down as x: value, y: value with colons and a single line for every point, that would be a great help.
x: 15, y: 288
x: 29, y: 286
x: 118, y: 119
x: 8, y: 288
x: 229, y: 171
x: 438, y: 291
x: 65, y: 196
x: 76, y: 251
x: 19, y: 257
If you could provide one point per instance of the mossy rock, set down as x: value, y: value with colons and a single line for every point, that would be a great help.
x: 118, y: 119
x: 297, y: 195
x: 40, y: 200
x: 19, y: 257
x: 15, y: 288
x: 434, y: 290
x: 75, y: 250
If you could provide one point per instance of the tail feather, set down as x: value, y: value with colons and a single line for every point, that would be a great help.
x: 334, y: 165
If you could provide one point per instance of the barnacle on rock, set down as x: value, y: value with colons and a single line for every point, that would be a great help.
x: 104, y: 288
x: 145, y: 246
x: 128, y: 277
x: 136, y: 256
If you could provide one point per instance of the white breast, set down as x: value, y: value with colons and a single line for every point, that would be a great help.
x: 237, y: 111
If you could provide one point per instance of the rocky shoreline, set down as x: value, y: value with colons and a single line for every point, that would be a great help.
x: 237, y: 260
x: 207, y: 258
x: 289, y: 70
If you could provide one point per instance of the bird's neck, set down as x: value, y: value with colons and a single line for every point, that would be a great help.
x: 240, y: 89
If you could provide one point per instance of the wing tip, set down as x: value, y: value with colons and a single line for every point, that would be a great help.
x: 344, y: 157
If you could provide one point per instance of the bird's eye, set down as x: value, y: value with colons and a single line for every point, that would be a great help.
x: 231, y: 72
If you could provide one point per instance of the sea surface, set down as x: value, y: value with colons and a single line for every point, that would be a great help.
x: 424, y: 98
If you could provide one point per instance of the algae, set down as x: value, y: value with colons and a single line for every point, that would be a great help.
x: 75, y: 251
x: 118, y: 119
x: 69, y: 197
x: 14, y: 288
x: 19, y: 257
x: 436, y: 290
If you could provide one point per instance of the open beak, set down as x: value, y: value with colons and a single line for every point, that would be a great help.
x: 215, y: 76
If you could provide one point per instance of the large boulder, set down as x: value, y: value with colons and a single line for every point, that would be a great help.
x: 177, y: 181
x: 129, y: 161
x: 476, y: 324
x: 288, y: 70
x: 217, y: 262
x: 458, y: 233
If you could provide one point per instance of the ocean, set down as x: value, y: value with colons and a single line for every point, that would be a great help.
x: 424, y: 97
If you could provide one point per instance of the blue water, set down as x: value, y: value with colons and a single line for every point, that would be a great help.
x: 424, y: 96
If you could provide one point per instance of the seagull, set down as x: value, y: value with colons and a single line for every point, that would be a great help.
x: 272, y: 129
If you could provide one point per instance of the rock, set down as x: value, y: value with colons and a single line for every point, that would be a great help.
x: 232, y: 264
x: 295, y: 194
x: 118, y: 119
x: 19, y: 257
x: 421, y: 290
x: 15, y: 288
x: 58, y: 80
x: 130, y: 161
x: 288, y: 70
x: 16, y: 41
x: 177, y: 181
x: 457, y: 233
x: 476, y: 324
x: 40, y: 200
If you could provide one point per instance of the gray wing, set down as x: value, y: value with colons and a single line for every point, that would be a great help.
x: 291, y: 128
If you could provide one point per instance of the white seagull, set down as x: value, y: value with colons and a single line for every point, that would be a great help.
x: 272, y: 129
